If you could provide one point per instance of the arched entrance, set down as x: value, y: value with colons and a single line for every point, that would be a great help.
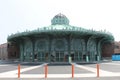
x: 41, y: 50
x: 28, y: 51
x: 77, y: 50
x: 59, y: 50
x: 91, y: 49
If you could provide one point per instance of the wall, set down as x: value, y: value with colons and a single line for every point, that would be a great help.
x: 117, y: 47
x: 107, y: 49
x: 13, y: 51
x: 3, y: 52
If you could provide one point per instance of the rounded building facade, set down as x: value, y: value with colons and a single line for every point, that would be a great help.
x: 61, y: 42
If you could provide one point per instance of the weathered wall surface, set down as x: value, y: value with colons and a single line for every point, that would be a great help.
x: 107, y: 49
x: 3, y: 52
x: 117, y: 48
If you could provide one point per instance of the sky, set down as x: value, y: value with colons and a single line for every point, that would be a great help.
x: 21, y: 15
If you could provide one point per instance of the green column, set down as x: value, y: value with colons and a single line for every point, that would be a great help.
x: 33, y: 56
x: 99, y: 49
x: 79, y: 56
x: 21, y: 52
x: 69, y: 46
x: 49, y: 53
x: 33, y: 51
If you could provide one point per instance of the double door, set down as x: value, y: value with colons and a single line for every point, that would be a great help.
x: 41, y: 56
x: 58, y: 56
x: 77, y: 56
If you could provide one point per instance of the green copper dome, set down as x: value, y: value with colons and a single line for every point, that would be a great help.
x: 60, y: 19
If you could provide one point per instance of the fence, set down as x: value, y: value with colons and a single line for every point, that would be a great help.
x: 72, y: 70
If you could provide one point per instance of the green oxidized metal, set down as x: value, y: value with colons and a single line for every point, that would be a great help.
x: 59, y: 41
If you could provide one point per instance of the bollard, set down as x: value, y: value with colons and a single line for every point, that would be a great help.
x: 18, y: 70
x: 97, y: 70
x: 98, y: 58
x: 72, y: 71
x: 87, y: 59
x: 46, y: 70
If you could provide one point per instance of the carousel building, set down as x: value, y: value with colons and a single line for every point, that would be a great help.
x: 60, y: 42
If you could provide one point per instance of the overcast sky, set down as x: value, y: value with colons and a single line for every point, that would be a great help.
x: 22, y: 15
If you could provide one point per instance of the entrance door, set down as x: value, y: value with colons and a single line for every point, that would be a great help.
x: 76, y: 56
x: 41, y: 56
x: 59, y: 57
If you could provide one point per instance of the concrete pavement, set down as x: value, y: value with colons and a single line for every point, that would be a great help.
x: 109, y: 71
